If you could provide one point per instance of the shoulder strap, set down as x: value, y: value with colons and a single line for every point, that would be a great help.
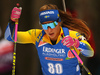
x: 66, y: 31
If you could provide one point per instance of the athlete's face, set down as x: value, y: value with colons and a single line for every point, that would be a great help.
x: 52, y: 33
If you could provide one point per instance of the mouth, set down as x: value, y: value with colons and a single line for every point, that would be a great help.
x: 51, y: 34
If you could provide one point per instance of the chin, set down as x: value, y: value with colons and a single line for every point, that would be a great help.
x: 53, y: 38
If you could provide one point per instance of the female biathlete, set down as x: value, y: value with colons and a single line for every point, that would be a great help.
x: 60, y: 32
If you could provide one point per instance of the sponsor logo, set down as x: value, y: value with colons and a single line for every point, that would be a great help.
x: 54, y: 59
x: 47, y: 12
x: 58, y: 15
x: 53, y: 52
x: 77, y: 34
x: 47, y: 16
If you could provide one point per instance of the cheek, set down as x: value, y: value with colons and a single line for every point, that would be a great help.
x: 57, y: 28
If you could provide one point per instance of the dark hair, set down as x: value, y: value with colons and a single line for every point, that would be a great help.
x: 68, y: 21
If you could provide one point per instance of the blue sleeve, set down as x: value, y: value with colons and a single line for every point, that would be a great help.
x: 86, y: 49
x: 9, y: 31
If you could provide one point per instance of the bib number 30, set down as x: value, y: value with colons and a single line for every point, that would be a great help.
x: 55, y: 68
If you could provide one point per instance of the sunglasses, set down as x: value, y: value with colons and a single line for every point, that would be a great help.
x: 51, y: 25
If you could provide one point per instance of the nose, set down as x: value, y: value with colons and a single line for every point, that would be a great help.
x: 49, y: 29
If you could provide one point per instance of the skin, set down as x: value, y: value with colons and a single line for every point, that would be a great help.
x: 53, y: 33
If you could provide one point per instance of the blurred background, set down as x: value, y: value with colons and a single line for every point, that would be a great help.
x: 27, y: 62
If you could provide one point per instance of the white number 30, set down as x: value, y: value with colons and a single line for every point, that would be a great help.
x: 55, y: 68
